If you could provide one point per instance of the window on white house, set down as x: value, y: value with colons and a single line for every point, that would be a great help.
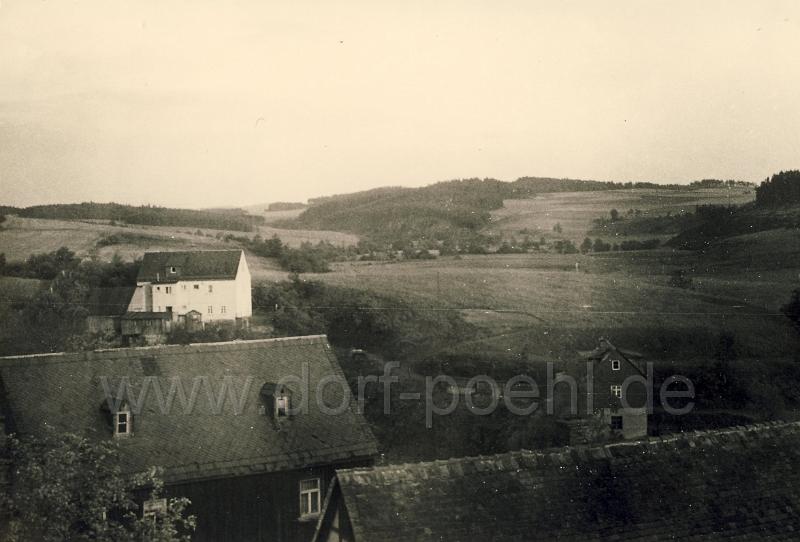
x: 183, y: 287
x: 615, y: 365
x: 616, y: 422
x: 123, y: 424
x: 616, y: 390
x: 210, y: 288
x: 310, y: 497
x: 210, y: 309
x: 158, y: 288
x: 196, y: 286
x: 168, y: 289
x: 223, y: 309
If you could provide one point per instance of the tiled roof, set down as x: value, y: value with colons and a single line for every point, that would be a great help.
x: 65, y: 392
x: 192, y: 265
x: 109, y: 301
x: 739, y: 484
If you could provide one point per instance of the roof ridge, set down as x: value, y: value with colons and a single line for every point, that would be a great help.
x: 605, y: 449
x: 167, y: 348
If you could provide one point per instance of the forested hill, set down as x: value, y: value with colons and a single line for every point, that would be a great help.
x: 435, y: 211
x: 223, y: 219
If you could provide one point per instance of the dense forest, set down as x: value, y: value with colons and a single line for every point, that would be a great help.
x: 227, y: 219
x: 782, y: 189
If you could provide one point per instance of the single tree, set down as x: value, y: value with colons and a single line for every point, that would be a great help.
x: 586, y: 246
x: 614, y: 215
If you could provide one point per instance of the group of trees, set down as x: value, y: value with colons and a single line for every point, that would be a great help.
x: 308, y: 258
x: 228, y: 219
x: 598, y: 245
x: 54, y: 318
x: 64, y: 263
x: 68, y: 487
x: 782, y: 189
x: 357, y: 318
x: 718, y: 183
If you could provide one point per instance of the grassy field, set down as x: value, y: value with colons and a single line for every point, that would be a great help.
x: 540, y: 305
x: 574, y: 211
x: 20, y: 237
x: 549, y: 305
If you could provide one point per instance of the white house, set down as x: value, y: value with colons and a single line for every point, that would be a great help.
x: 207, y: 285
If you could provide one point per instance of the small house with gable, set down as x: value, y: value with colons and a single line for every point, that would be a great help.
x: 611, y: 367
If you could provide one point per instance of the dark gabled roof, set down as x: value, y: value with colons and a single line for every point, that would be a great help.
x: 65, y: 392
x: 192, y: 265
x: 604, y: 347
x: 109, y: 301
x: 733, y: 484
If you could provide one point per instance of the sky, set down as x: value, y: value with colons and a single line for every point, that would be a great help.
x: 204, y: 104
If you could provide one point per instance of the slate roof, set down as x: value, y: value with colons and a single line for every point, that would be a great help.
x: 193, y: 265
x: 65, y: 392
x: 740, y: 483
x: 109, y: 301
x: 605, y: 347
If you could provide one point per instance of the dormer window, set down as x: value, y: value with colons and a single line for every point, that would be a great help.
x: 615, y: 365
x: 123, y: 423
x: 282, y: 404
x: 173, y: 270
x: 277, y: 401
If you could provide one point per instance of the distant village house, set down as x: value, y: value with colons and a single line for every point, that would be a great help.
x: 191, y: 289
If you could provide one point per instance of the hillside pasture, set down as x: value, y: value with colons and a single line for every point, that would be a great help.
x: 21, y: 237
x: 575, y: 211
x: 540, y: 306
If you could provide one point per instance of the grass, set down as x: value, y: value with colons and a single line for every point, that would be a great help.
x: 20, y: 237
x: 540, y: 306
x: 574, y: 211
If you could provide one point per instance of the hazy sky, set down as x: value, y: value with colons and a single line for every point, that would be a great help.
x: 232, y: 103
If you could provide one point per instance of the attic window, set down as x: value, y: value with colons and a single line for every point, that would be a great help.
x: 282, y: 404
x: 615, y: 365
x: 310, y: 495
x: 277, y: 401
x: 123, y: 423
x: 616, y: 391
